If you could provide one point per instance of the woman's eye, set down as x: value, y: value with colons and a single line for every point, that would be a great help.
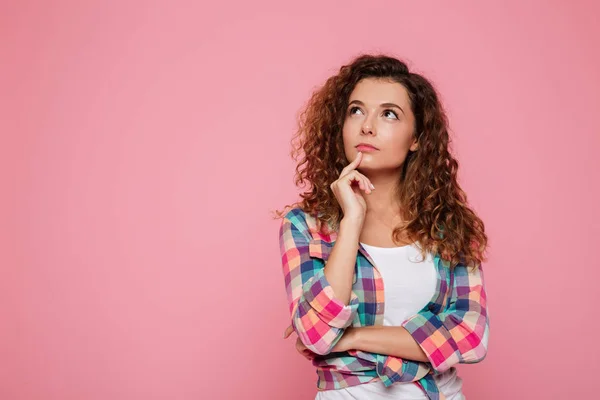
x: 390, y: 112
x: 353, y: 109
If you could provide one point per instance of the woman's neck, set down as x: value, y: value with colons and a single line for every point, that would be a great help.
x: 383, y: 202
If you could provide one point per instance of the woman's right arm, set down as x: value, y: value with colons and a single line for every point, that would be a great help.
x: 320, y: 296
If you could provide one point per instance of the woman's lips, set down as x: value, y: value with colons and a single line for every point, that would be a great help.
x: 365, y: 148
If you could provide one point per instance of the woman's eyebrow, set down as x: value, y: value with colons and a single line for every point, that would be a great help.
x: 392, y: 105
x: 381, y: 105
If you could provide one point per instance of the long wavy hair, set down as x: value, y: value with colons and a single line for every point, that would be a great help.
x: 434, y: 208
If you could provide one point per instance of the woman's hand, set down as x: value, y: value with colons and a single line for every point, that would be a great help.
x: 300, y: 347
x: 347, y: 187
x: 347, y: 342
x: 306, y: 353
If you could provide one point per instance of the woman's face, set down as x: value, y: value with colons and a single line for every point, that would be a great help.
x: 379, y: 114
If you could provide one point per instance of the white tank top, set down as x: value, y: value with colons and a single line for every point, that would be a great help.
x: 409, y: 283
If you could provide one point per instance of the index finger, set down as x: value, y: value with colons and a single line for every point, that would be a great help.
x: 353, y: 165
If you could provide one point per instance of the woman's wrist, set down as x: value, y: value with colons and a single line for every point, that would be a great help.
x: 354, y: 338
x: 351, y: 226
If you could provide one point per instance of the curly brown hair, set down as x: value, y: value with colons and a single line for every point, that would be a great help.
x: 434, y: 207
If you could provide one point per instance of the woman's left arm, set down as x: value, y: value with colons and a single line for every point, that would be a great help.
x: 393, y: 341
x: 459, y: 334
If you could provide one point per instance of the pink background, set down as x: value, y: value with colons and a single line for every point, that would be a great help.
x: 144, y: 144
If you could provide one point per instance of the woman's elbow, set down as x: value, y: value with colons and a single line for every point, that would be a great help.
x: 317, y: 336
x: 320, y: 347
x: 477, y: 352
x: 469, y: 355
x: 475, y: 340
x: 319, y: 343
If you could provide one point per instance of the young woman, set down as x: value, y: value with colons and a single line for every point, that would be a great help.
x: 382, y: 256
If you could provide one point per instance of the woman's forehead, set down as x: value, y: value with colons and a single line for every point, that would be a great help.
x: 373, y: 92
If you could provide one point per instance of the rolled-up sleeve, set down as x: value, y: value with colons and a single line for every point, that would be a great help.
x: 318, y: 317
x: 459, y: 334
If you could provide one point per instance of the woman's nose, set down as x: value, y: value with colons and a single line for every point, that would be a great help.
x: 367, y: 127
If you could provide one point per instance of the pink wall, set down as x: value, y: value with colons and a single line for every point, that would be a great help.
x: 144, y: 145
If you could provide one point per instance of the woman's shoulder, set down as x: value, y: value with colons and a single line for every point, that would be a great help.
x: 299, y: 216
x: 301, y: 219
x: 294, y: 212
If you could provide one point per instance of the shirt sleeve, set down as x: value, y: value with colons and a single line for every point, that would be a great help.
x: 459, y: 334
x: 391, y: 369
x: 318, y: 317
x: 394, y: 369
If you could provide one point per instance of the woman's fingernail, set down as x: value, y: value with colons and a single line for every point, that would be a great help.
x: 372, y: 187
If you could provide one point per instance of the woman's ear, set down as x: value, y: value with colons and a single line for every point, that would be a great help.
x: 414, y: 146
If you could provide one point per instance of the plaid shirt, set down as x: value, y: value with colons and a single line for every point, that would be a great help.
x: 452, y: 328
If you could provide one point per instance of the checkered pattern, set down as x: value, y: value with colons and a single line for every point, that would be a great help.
x: 459, y: 333
x: 451, y: 329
